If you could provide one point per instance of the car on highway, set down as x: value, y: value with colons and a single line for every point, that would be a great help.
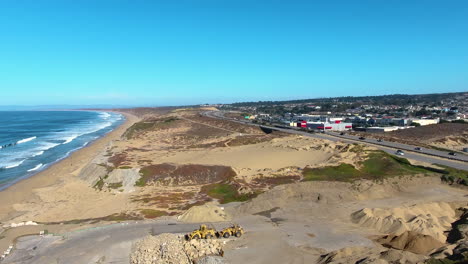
x: 452, y: 153
x: 362, y: 138
x: 342, y: 133
x: 400, y: 152
x: 418, y: 148
x: 379, y: 140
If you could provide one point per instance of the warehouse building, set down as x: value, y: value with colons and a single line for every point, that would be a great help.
x: 327, y: 125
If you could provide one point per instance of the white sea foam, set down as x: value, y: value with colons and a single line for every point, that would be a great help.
x: 36, y: 168
x: 14, y: 165
x: 104, y: 115
x: 38, y: 153
x: 25, y: 140
x: 69, y: 139
x: 48, y: 145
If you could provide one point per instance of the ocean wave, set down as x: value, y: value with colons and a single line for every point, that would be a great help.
x: 79, y: 131
x: 25, y: 140
x: 38, y: 153
x: 70, y: 139
x: 48, y: 145
x: 36, y: 168
x: 14, y: 165
x: 104, y: 115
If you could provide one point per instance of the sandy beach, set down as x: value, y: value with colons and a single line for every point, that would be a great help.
x: 59, y: 173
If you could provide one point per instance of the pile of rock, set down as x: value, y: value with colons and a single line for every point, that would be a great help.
x: 161, y: 249
x: 196, y: 249
x: 26, y: 223
x: 172, y: 249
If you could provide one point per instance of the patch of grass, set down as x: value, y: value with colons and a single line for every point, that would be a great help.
x: 146, y: 173
x: 454, y: 172
x: 380, y: 165
x: 452, y: 175
x: 342, y: 172
x: 377, y: 166
x: 115, y: 185
x: 226, y: 193
x: 99, y: 184
x: 148, y: 125
x: 357, y: 148
x: 139, y: 126
x: 151, y: 213
x: 125, y: 167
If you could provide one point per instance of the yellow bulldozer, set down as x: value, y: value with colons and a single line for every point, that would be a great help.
x: 202, y: 233
x: 233, y: 230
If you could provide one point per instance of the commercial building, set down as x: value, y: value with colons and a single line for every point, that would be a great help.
x: 328, y: 124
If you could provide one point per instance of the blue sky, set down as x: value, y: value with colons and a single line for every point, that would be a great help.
x: 209, y: 51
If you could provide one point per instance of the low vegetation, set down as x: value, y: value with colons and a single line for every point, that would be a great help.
x: 226, y: 193
x: 454, y: 176
x: 151, y: 213
x: 189, y: 174
x: 99, y: 184
x: 118, y: 159
x: 145, y: 125
x: 342, y: 172
x: 115, y: 185
x: 377, y: 166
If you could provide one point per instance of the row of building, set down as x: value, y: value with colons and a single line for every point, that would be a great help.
x: 370, y: 124
x: 325, y: 124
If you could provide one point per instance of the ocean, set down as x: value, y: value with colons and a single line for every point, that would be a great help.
x: 30, y: 141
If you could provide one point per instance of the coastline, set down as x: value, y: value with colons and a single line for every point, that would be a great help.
x: 63, y: 170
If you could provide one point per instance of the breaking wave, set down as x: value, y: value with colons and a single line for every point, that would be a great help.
x: 36, y: 168
x: 25, y: 140
x: 14, y: 165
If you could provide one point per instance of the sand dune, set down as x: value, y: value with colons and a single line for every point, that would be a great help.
x: 429, y: 219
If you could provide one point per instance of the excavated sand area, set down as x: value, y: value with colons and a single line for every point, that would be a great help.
x: 208, y: 212
x: 298, y: 223
x: 431, y: 219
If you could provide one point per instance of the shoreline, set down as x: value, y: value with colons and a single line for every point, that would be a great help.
x: 59, y: 172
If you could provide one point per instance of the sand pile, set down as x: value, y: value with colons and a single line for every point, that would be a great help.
x: 208, y: 212
x: 330, y: 193
x: 431, y: 219
x: 173, y: 249
x: 411, y: 241
x: 283, y: 195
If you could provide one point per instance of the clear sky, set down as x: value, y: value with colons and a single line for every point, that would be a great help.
x: 208, y: 51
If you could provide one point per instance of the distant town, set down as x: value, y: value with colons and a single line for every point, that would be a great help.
x: 371, y: 114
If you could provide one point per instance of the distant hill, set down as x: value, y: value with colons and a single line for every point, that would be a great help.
x: 391, y: 99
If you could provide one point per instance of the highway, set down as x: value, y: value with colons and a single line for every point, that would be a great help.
x: 425, y: 155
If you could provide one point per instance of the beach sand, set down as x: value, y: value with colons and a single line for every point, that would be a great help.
x: 61, y: 174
